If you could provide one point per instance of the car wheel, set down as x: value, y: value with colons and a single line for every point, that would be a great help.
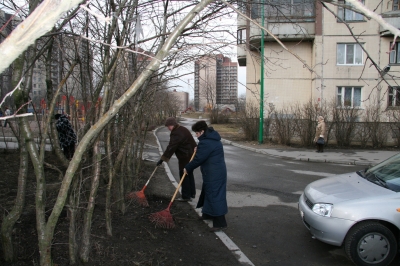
x: 370, y: 243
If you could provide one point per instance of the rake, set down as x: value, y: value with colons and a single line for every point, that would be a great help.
x: 164, y: 218
x: 139, y: 196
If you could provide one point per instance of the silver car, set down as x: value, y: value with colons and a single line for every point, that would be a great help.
x: 360, y: 211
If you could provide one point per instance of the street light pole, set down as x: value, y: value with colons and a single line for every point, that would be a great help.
x: 261, y: 131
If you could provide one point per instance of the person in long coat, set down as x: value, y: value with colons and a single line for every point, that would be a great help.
x: 66, y: 135
x: 181, y: 143
x: 210, y: 157
x: 320, y: 132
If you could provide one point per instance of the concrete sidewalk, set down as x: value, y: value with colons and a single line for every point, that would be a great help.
x: 339, y: 156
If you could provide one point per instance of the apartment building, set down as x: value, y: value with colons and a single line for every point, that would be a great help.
x: 327, y: 64
x: 182, y: 98
x: 215, y: 82
x: 137, y: 62
x: 65, y: 50
x: 7, y: 24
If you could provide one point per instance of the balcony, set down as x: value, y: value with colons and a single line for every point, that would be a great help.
x: 288, y: 20
x: 393, y: 18
x: 284, y: 31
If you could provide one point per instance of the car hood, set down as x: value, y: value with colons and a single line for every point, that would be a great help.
x: 341, y: 188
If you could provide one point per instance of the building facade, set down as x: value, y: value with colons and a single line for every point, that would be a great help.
x: 215, y: 82
x: 327, y: 64
x: 7, y: 24
x: 182, y: 99
x: 65, y: 50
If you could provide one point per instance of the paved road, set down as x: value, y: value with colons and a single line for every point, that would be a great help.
x: 263, y: 220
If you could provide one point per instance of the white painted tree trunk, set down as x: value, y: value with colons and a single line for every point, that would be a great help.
x: 41, y: 21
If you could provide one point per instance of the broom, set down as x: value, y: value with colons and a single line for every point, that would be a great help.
x: 139, y: 196
x: 164, y: 218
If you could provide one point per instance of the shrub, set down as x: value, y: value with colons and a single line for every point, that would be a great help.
x: 249, y: 121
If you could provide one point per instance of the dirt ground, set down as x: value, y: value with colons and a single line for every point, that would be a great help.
x: 135, y: 239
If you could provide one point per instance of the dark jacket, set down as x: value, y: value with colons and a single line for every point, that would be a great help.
x: 66, y: 134
x: 210, y: 158
x: 181, y: 143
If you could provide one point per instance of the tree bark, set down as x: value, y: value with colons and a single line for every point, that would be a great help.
x: 74, y: 199
x: 87, y: 223
x: 109, y: 184
x: 39, y: 22
x: 9, y: 221
x: 44, y: 237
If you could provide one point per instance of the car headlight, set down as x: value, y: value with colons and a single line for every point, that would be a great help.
x: 323, y: 209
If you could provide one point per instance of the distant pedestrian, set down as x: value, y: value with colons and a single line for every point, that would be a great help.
x: 1, y: 114
x: 210, y: 157
x: 7, y: 112
x: 66, y: 135
x: 182, y: 144
x: 320, y: 133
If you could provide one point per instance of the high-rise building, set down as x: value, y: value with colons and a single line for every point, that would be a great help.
x: 215, y: 82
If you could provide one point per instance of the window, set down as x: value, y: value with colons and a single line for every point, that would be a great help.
x: 241, y: 36
x: 348, y: 97
x: 394, y: 57
x: 396, y: 5
x: 394, y: 97
x: 349, y: 14
x: 283, y: 8
x: 242, y: 6
x: 302, y: 8
x: 349, y: 54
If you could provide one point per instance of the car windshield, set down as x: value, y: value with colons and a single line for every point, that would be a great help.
x: 386, y: 173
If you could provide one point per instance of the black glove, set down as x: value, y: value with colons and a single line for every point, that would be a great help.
x: 159, y: 162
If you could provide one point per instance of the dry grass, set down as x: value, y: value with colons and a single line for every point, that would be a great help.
x: 231, y: 132
x: 196, y: 115
x: 234, y: 133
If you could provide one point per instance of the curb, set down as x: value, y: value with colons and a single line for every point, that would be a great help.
x: 262, y: 151
x: 14, y: 139
x: 241, y: 257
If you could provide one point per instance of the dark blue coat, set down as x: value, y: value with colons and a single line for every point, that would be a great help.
x: 210, y: 158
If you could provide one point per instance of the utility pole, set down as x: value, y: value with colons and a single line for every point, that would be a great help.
x: 261, y: 129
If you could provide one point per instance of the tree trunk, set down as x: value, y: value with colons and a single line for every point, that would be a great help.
x: 13, y: 216
x: 87, y: 222
x: 74, y: 199
x: 44, y: 237
x: 9, y: 221
x: 130, y: 165
x: 109, y: 185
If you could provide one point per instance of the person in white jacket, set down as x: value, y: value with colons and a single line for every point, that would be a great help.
x: 7, y: 112
x: 320, y: 134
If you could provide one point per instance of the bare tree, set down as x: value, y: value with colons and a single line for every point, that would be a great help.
x: 120, y: 76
